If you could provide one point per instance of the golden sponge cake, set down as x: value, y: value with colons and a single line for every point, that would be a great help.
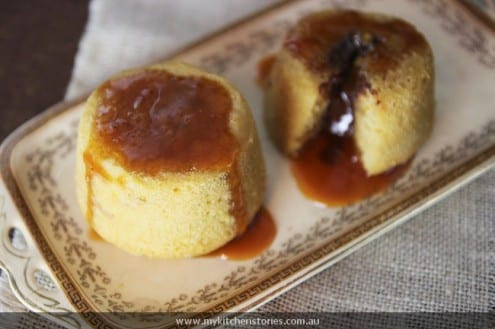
x: 168, y: 161
x: 366, y: 75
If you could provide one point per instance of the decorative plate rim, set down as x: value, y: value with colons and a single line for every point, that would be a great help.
x: 300, y: 269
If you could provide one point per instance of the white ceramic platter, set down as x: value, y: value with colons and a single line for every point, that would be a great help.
x: 61, y: 269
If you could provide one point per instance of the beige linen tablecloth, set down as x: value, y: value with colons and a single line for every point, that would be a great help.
x: 441, y: 260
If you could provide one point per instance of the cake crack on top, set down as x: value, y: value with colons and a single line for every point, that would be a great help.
x: 353, y: 45
x: 343, y: 87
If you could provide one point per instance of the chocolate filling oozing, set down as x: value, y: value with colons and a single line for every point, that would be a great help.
x: 345, y: 49
x: 328, y: 168
x: 343, y: 87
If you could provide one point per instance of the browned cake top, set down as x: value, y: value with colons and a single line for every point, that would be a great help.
x: 328, y: 39
x: 154, y: 121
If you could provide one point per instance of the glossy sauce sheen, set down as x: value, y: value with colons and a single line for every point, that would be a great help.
x: 339, y: 179
x: 153, y: 122
x: 156, y: 121
x: 258, y: 237
x: 316, y: 35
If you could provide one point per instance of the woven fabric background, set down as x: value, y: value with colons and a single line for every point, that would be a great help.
x: 441, y: 260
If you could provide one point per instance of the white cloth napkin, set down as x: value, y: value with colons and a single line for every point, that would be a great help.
x: 126, y: 33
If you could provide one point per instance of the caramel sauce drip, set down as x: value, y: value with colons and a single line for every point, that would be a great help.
x: 94, y: 236
x: 264, y: 67
x: 258, y: 237
x: 333, y: 174
x: 92, y: 167
x: 88, y: 162
x: 153, y: 122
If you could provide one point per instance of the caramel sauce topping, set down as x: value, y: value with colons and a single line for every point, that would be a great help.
x: 315, y: 36
x: 258, y: 237
x: 154, y: 121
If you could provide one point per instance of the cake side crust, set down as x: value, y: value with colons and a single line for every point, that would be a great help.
x: 293, y: 103
x: 395, y: 117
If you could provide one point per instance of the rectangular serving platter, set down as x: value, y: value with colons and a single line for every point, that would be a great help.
x: 60, y: 269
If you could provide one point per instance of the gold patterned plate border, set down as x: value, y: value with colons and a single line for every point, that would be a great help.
x: 473, y: 35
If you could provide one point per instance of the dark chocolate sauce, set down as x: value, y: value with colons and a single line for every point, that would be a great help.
x: 343, y: 87
x: 353, y: 45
